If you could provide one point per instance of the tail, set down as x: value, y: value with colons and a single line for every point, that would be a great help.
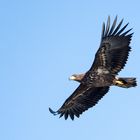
x: 125, y: 82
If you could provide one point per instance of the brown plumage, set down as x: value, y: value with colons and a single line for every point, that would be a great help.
x: 110, y: 59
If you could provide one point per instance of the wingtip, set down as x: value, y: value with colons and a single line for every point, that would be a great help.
x: 108, y: 17
x: 53, y: 112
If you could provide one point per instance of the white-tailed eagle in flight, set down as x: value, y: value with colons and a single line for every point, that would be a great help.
x: 110, y: 59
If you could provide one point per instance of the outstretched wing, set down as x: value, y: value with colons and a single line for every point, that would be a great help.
x: 114, y: 48
x: 82, y: 99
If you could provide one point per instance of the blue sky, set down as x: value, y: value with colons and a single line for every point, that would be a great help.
x: 42, y: 43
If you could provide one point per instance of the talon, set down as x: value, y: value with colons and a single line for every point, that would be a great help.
x: 119, y: 82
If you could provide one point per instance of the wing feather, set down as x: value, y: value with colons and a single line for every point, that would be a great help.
x: 117, y: 28
x: 107, y: 26
x: 114, y: 48
x: 103, y: 30
x: 113, y: 26
x: 121, y: 30
x: 81, y: 100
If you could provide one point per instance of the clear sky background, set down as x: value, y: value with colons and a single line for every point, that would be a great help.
x: 42, y: 43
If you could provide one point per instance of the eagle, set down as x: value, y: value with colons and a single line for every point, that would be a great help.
x: 110, y: 59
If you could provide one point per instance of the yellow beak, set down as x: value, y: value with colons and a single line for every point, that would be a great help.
x: 72, y: 77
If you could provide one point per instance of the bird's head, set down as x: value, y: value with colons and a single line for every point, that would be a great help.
x: 76, y: 77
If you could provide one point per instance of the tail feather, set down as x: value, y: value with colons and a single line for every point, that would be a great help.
x: 125, y: 82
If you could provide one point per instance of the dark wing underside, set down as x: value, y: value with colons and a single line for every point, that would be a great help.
x: 82, y: 99
x: 114, y: 48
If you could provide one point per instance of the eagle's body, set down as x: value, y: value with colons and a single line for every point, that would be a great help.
x: 110, y: 58
x: 99, y: 78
